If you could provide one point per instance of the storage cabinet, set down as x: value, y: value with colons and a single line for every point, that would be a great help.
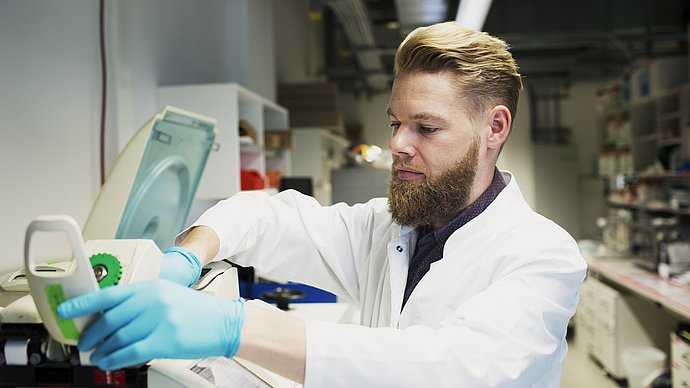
x: 680, y: 361
x: 610, y: 322
x: 231, y: 103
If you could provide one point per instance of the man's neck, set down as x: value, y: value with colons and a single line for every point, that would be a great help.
x: 481, y: 182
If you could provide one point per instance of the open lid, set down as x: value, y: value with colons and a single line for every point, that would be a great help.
x: 151, y: 187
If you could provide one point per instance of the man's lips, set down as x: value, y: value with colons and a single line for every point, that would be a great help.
x: 408, y: 174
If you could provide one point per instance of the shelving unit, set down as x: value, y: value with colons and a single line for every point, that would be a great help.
x: 645, y: 158
x: 668, y: 210
x: 229, y: 103
x: 657, y: 216
x: 647, y: 130
x: 317, y: 152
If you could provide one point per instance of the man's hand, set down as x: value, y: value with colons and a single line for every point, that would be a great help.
x: 155, y: 319
x: 181, y: 266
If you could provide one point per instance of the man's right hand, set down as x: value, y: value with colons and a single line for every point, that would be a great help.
x: 181, y: 266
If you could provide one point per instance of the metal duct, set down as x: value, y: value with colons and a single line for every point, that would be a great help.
x: 584, y: 40
x: 357, y: 27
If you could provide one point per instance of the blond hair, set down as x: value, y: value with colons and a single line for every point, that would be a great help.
x: 486, y: 73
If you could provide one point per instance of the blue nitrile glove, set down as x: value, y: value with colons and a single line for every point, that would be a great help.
x: 155, y: 319
x: 181, y: 266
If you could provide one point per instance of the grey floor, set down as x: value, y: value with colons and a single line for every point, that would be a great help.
x: 579, y: 371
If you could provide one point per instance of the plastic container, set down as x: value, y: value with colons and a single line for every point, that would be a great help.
x: 640, y: 362
x: 251, y: 180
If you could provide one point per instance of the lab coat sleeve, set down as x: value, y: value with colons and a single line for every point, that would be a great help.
x: 290, y: 236
x: 509, y: 335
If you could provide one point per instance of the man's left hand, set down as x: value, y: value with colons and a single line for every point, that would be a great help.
x: 155, y: 319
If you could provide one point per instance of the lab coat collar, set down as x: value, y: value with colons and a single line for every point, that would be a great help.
x: 406, y: 229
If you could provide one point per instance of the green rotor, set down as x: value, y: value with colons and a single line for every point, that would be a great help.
x: 106, y: 268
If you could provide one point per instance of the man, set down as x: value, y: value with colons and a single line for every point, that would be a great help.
x: 458, y: 281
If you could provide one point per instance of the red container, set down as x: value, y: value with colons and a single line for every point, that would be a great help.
x: 251, y: 180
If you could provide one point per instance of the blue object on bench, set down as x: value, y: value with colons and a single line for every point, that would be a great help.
x: 311, y: 294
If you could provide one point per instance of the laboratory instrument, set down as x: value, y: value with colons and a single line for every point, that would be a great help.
x: 142, y: 205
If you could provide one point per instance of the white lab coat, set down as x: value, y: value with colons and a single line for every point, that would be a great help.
x: 492, y: 313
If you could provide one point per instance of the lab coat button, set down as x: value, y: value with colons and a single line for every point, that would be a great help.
x: 399, y: 248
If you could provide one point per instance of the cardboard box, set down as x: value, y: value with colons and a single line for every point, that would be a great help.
x: 278, y: 139
x: 325, y: 118
x: 312, y: 104
x: 306, y: 89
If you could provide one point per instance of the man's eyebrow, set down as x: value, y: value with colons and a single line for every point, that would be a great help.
x: 421, y: 116
x: 427, y: 116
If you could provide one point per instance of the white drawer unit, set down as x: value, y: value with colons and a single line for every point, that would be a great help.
x: 611, y: 321
x: 680, y: 361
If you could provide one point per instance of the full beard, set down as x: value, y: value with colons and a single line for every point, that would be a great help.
x: 436, y: 199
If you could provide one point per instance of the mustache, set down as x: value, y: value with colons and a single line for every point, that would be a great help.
x: 399, y: 162
x: 397, y: 159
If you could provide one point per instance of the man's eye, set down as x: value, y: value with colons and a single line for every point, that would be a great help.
x: 427, y: 130
x: 395, y: 126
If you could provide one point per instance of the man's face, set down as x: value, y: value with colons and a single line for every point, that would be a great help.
x: 436, y: 151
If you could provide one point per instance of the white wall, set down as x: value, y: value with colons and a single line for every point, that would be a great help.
x: 579, y: 113
x: 518, y: 154
x: 252, y: 60
x: 171, y: 42
x: 158, y: 42
x: 50, y: 88
x: 553, y: 177
x: 562, y: 175
x: 557, y: 194
x: 49, y: 104
x: 299, y: 42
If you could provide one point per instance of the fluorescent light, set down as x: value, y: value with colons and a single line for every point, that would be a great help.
x: 472, y: 13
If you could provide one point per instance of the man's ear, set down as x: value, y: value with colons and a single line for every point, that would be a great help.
x: 499, y: 122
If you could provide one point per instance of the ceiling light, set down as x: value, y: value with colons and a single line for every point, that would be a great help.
x: 393, y: 25
x: 472, y: 13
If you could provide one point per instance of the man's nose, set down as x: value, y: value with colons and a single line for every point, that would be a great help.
x: 402, y: 142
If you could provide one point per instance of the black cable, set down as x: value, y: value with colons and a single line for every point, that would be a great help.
x: 104, y: 85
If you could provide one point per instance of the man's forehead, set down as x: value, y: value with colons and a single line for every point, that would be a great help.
x: 416, y: 115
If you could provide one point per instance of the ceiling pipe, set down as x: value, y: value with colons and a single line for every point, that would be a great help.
x: 472, y: 13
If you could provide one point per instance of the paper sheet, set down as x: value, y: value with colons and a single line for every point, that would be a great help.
x: 223, y: 372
